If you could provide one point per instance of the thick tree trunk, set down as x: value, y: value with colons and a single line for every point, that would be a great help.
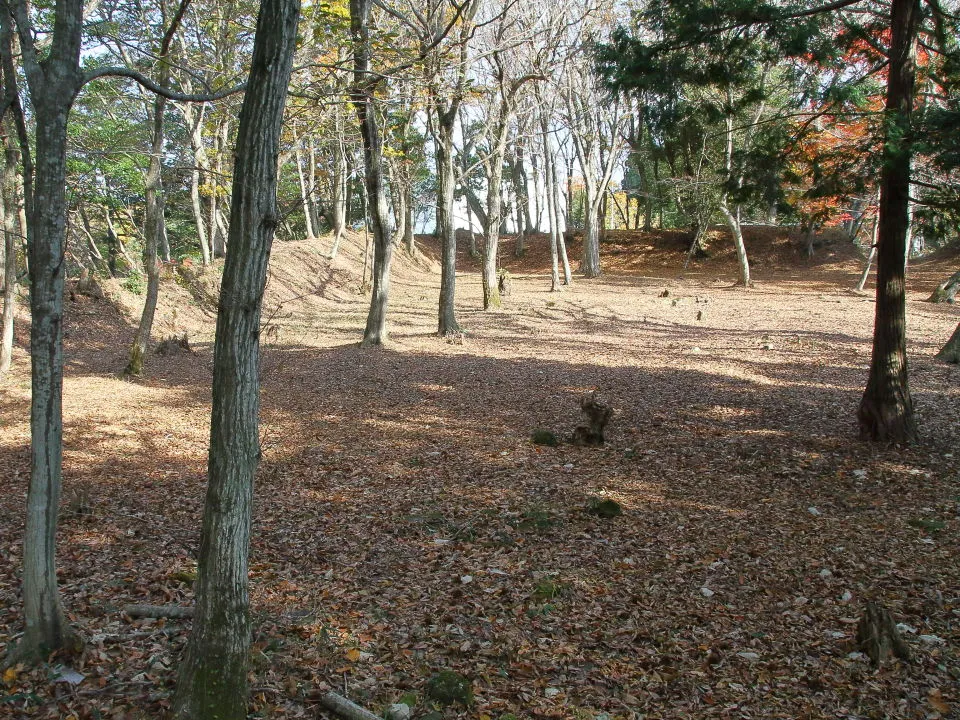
x: 886, y: 410
x: 213, y: 675
x: 951, y: 351
x: 364, y: 101
x: 448, y: 324
x: 53, y: 86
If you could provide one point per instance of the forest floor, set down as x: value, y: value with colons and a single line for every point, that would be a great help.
x: 406, y: 524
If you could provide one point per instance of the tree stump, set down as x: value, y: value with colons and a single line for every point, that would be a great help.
x: 597, y: 414
x: 878, y: 637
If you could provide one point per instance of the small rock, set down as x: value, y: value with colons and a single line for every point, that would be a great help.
x: 859, y: 656
x: 749, y: 655
x: 551, y: 692
x: 466, y: 579
x: 695, y: 350
x: 568, y: 466
x: 825, y: 573
x: 904, y: 628
x: 398, y: 711
x: 813, y: 511
x: 860, y: 474
x: 932, y: 640
x: 707, y: 592
x: 847, y: 596
x: 767, y: 346
x: 61, y: 673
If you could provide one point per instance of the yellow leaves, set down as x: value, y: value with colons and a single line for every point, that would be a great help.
x: 10, y: 675
x: 935, y: 698
x: 353, y: 655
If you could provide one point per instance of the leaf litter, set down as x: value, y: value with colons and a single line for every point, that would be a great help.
x: 406, y: 524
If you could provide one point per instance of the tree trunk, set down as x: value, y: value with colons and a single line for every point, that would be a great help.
x: 590, y: 259
x: 733, y: 223
x: 53, y: 87
x: 408, y: 240
x: 491, y: 238
x: 950, y: 352
x: 339, y: 196
x: 9, y: 209
x: 552, y: 220
x: 448, y: 324
x: 561, y: 243
x: 199, y: 165
x: 155, y: 231
x: 305, y: 191
x: 362, y: 95
x: 870, y: 257
x: 947, y: 290
x: 213, y: 675
x: 886, y: 410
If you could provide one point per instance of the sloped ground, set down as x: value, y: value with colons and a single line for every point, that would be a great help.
x: 405, y: 523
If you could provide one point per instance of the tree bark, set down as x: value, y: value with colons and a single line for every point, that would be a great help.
x: 213, y: 675
x: 448, y: 324
x: 53, y: 86
x: 947, y: 290
x: 886, y: 409
x: 950, y: 352
x: 155, y: 232
x: 363, y: 96
x: 9, y: 209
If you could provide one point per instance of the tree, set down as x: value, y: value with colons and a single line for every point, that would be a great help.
x: 951, y: 351
x: 155, y: 229
x: 362, y: 94
x: 213, y: 676
x: 886, y: 409
x: 53, y: 83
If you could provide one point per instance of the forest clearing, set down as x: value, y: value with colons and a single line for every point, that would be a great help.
x: 405, y: 524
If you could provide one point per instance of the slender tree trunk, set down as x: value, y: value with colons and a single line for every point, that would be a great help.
x: 590, y: 259
x: 734, y: 224
x: 339, y: 196
x: 362, y: 95
x: 491, y: 239
x: 886, y: 410
x: 561, y: 243
x: 199, y: 165
x: 9, y: 209
x: 870, y: 257
x: 213, y: 675
x: 156, y: 227
x: 304, y: 190
x: 554, y: 226
x: 448, y: 324
x: 408, y: 240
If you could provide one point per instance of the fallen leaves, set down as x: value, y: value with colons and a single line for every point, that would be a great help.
x: 406, y: 524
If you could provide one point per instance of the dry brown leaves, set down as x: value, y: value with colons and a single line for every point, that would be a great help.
x: 405, y: 523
